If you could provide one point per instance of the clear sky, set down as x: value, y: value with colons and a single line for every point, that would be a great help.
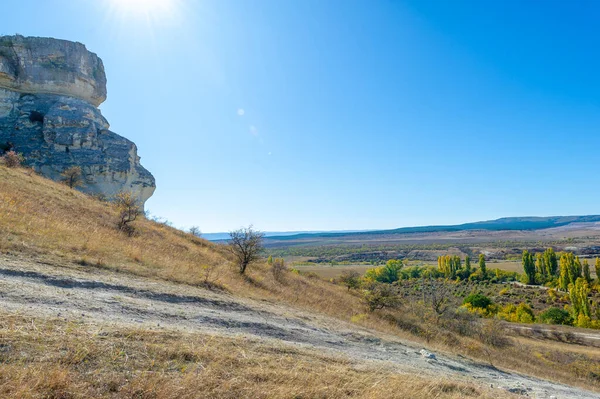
x: 325, y: 115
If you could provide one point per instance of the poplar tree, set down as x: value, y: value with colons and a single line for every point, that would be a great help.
x: 578, y: 269
x: 482, y: 266
x: 529, y: 267
x: 551, y: 262
x: 597, y: 267
x: 540, y: 266
x: 570, y: 270
x: 578, y: 293
x: 586, y: 271
x: 468, y: 264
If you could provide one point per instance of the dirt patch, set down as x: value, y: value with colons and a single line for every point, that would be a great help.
x: 91, y: 295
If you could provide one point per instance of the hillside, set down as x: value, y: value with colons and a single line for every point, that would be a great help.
x: 90, y: 312
x: 502, y: 224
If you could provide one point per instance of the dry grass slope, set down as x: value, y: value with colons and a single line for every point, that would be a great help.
x: 44, y: 219
x: 61, y: 360
x: 50, y: 222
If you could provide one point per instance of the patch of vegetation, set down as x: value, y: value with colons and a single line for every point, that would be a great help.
x: 554, y: 315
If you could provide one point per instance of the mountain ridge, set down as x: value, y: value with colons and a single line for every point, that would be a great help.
x: 505, y: 223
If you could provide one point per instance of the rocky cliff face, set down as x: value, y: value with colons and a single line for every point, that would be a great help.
x: 49, y: 93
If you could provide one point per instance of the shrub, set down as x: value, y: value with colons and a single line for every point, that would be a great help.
x: 517, y: 314
x: 584, y: 321
x: 556, y: 316
x: 480, y: 304
x: 380, y: 296
x: 129, y: 209
x: 210, y: 275
x: 278, y: 269
x: 493, y: 333
x: 478, y: 301
x: 12, y: 160
x: 350, y: 279
x: 72, y: 176
x: 385, y: 274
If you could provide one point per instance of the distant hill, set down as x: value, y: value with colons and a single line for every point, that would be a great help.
x: 225, y: 236
x: 508, y: 223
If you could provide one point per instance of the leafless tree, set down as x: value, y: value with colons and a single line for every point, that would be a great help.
x: 195, y: 231
x: 246, y: 245
x: 437, y: 297
x: 72, y: 176
x: 129, y: 209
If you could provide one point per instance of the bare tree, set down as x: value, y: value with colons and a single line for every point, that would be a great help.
x: 129, y: 209
x: 195, y: 231
x: 245, y: 244
x: 437, y: 297
x: 72, y: 176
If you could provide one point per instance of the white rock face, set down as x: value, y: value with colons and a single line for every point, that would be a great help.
x: 51, y: 66
x: 49, y: 93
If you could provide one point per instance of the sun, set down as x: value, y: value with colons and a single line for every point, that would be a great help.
x: 153, y: 11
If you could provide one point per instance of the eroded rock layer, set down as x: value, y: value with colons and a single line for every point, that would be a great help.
x: 49, y: 93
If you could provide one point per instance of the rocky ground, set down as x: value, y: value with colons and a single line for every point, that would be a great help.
x: 105, y: 298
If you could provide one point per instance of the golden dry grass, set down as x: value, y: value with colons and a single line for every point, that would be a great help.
x: 46, y: 220
x: 39, y: 217
x: 57, y: 359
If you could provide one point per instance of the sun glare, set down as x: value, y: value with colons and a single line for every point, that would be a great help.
x: 152, y: 11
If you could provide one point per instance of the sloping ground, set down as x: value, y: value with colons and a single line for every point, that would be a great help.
x: 44, y: 291
x: 64, y: 264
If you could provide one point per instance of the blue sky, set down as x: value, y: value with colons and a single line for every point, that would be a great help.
x: 356, y: 114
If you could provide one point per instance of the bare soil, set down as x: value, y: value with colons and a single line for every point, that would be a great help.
x: 91, y: 295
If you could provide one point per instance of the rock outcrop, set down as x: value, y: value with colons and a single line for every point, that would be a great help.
x: 49, y: 93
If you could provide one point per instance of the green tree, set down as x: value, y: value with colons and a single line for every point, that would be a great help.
x: 570, y: 270
x: 578, y: 270
x: 597, y: 267
x: 529, y: 267
x: 385, y: 274
x: 556, y: 316
x: 477, y: 301
x: 482, y: 266
x: 391, y: 271
x: 540, y: 266
x: 468, y: 264
x: 550, y: 262
x: 578, y: 293
x: 586, y: 271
